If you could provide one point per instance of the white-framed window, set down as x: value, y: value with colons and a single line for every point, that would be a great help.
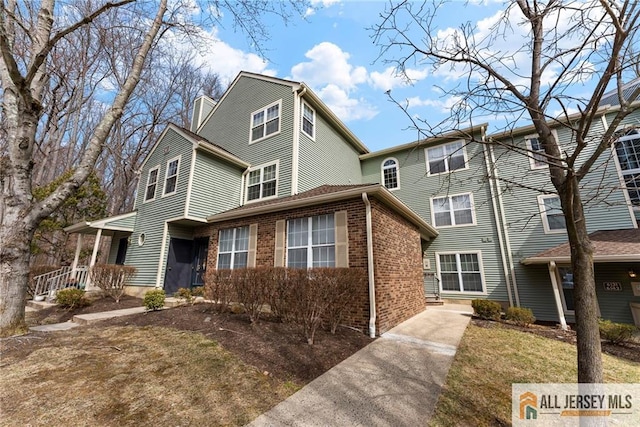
x: 152, y: 184
x: 454, y: 210
x: 308, y: 121
x: 262, y: 182
x: 311, y: 242
x: 171, y: 176
x: 265, y: 122
x: 551, y: 214
x: 390, y: 174
x: 446, y: 158
x: 537, y: 157
x: 233, y: 248
x: 460, y: 272
x: 628, y: 153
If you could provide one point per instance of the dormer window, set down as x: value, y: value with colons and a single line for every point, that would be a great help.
x: 265, y: 122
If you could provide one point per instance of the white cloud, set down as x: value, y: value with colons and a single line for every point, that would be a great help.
x: 390, y: 79
x: 443, y: 105
x: 344, y: 106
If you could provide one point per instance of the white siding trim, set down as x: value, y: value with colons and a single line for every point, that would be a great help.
x: 295, y: 154
x: 192, y: 168
x: 161, y: 257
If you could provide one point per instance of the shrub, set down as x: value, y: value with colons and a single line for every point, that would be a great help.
x: 250, y: 290
x: 616, y: 333
x: 154, y: 300
x: 71, y: 298
x: 184, y: 294
x: 218, y: 288
x: 342, y: 285
x: 197, y: 291
x: 308, y: 300
x: 486, y: 309
x: 279, y: 294
x: 520, y: 316
x: 112, y: 278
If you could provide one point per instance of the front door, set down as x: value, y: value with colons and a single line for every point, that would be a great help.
x: 200, y: 251
x: 178, y: 273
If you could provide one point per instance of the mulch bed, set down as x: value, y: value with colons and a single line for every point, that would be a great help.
x: 629, y: 351
x: 276, y: 348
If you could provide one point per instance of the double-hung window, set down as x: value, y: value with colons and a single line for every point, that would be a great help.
x: 551, y: 213
x: 446, y: 158
x: 537, y: 159
x: 265, y: 122
x: 390, y: 174
x: 453, y: 210
x: 460, y: 272
x: 628, y: 153
x: 171, y: 176
x: 308, y: 121
x: 262, y: 182
x: 152, y: 184
x: 311, y: 242
x: 233, y: 248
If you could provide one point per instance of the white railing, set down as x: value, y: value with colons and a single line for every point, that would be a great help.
x: 46, y: 285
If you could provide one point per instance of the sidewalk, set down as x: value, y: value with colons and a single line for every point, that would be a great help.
x: 394, y: 381
x: 83, y: 319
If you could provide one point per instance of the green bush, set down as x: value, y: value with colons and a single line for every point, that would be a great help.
x: 520, y: 316
x: 486, y: 309
x: 71, y: 298
x: 616, y: 333
x: 154, y: 300
x: 197, y: 291
x: 184, y: 294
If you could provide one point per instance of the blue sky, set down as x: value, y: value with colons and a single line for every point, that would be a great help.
x: 334, y: 53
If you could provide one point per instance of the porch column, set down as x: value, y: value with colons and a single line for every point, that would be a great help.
x: 94, y: 256
x: 76, y: 257
x: 556, y: 294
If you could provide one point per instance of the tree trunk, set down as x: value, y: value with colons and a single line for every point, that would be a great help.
x: 585, y: 300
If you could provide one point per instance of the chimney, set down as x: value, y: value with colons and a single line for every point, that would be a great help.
x: 201, y: 109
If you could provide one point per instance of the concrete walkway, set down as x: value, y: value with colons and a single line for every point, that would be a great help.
x: 394, y: 381
x: 84, y: 319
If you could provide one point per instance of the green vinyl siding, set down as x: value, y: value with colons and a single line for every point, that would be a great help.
x: 119, y: 222
x: 327, y: 160
x: 614, y: 305
x: 230, y: 124
x: 216, y: 186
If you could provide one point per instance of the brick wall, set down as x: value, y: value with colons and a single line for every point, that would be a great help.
x: 399, y: 292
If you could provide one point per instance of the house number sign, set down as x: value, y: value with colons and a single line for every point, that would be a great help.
x: 612, y: 286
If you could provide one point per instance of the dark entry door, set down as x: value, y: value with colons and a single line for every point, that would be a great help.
x: 200, y: 251
x: 123, y: 244
x: 178, y: 273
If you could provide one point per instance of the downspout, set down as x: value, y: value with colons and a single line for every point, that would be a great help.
x: 372, y: 283
x: 295, y: 155
x: 499, y: 227
x: 242, y: 186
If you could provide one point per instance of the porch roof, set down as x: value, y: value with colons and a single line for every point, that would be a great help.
x: 609, y: 246
x: 110, y: 225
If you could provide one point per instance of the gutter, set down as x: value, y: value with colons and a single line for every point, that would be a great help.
x: 372, y: 283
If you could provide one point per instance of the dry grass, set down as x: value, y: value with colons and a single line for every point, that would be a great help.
x: 121, y: 376
x: 489, y: 360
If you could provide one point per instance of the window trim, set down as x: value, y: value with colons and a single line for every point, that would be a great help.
x: 264, y: 110
x: 166, y: 176
x: 543, y: 214
x: 464, y: 156
x: 383, y: 168
x: 146, y: 188
x: 625, y: 173
x: 261, y: 168
x: 458, y: 253
x: 450, y: 196
x: 314, y: 123
x: 233, y: 251
x: 531, y: 156
x: 310, y: 246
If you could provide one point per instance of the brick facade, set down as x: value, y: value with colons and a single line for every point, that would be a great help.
x: 397, y: 255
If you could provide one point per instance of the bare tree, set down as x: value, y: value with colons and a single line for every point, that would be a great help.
x: 564, y: 43
x: 31, y: 34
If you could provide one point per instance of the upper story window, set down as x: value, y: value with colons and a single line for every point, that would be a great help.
x: 265, y: 122
x: 152, y: 184
x: 233, y: 248
x: 453, y: 210
x: 262, y: 182
x: 551, y: 213
x: 628, y: 153
x: 446, y: 158
x: 390, y: 174
x: 308, y: 121
x: 171, y: 176
x: 460, y: 272
x: 311, y: 242
x: 537, y: 159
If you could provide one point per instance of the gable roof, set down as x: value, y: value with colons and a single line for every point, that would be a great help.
x: 123, y: 222
x: 609, y: 246
x: 309, y: 96
x: 325, y: 194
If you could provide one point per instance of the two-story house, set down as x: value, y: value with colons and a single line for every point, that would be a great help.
x: 269, y: 176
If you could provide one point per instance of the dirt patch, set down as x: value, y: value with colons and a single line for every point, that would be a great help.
x: 629, y: 351
x: 56, y: 314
